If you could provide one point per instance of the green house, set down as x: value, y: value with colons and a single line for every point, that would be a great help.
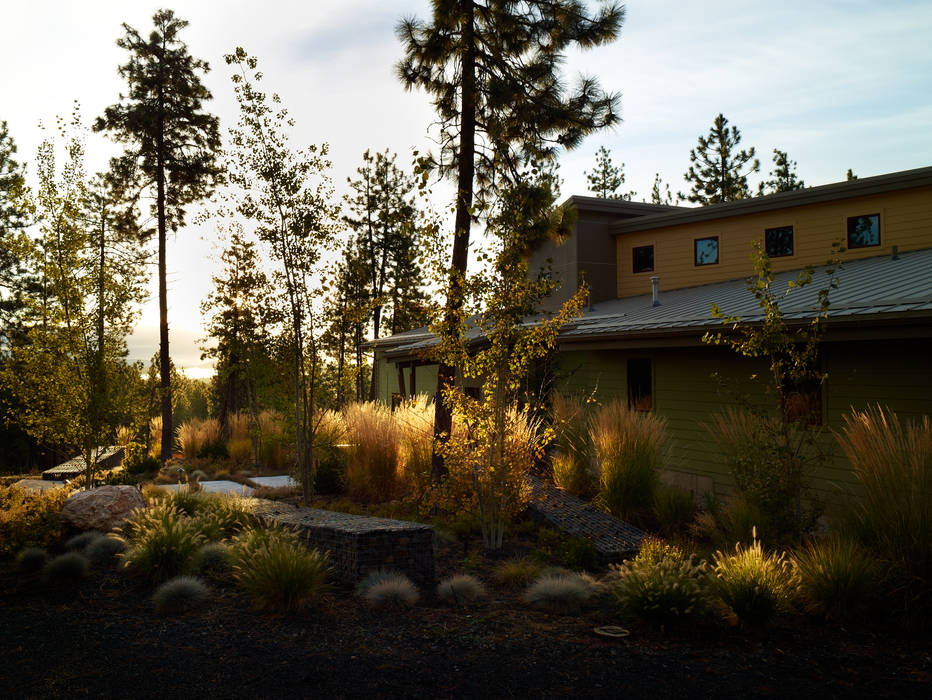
x: 654, y: 273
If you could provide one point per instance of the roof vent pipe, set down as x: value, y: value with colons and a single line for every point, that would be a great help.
x: 655, y: 288
x: 896, y: 252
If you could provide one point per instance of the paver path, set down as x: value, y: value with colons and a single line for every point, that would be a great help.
x: 219, y: 486
x: 614, y: 539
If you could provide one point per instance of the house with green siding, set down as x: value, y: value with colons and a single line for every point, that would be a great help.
x: 655, y: 272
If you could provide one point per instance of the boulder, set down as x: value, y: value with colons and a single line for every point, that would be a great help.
x: 103, y: 508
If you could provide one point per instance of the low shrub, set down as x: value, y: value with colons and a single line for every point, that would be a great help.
x: 141, y: 463
x: 518, y: 573
x: 80, y: 542
x: 392, y: 590
x: 65, y: 570
x: 214, y: 560
x: 630, y: 447
x: 579, y: 554
x: 31, y: 560
x: 104, y: 550
x: 277, y: 572
x: 559, y: 592
x: 179, y: 594
x: 460, y: 590
x: 214, y: 451
x: 838, y: 577
x: 754, y: 584
x: 674, y: 508
x: 30, y: 518
x: 661, y: 585
x: 161, y: 542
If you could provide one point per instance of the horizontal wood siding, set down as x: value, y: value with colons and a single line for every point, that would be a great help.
x: 425, y: 378
x: 905, y: 221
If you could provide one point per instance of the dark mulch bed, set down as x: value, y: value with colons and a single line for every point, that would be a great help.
x: 105, y: 640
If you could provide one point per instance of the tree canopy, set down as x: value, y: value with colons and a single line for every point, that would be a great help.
x: 719, y: 171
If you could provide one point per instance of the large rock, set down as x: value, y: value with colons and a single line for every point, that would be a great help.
x: 103, y: 508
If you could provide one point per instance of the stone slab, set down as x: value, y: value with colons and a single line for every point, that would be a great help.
x: 38, y: 484
x: 359, y: 544
x: 220, y: 486
x: 272, y: 482
x: 613, y: 539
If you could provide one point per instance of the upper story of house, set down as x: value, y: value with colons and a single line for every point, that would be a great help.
x: 617, y: 247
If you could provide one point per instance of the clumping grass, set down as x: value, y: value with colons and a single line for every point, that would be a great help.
x: 373, y: 460
x: 630, y: 447
x: 161, y: 542
x: 179, y: 595
x: 838, y: 576
x: 660, y: 585
x: 80, y: 542
x: 190, y: 437
x: 65, y: 570
x: 29, y: 518
x: 415, y: 420
x: 392, y: 590
x: 214, y: 560
x: 518, y: 572
x: 104, y: 550
x: 460, y: 590
x: 155, y: 436
x: 277, y: 571
x: 674, y: 508
x: 374, y: 577
x: 31, y: 560
x: 754, y: 584
x: 559, y: 592
x: 272, y: 452
x: 572, y: 465
x: 152, y: 493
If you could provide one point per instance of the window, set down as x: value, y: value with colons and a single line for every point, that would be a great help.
x: 863, y: 231
x: 644, y: 258
x: 778, y: 242
x: 802, y: 402
x: 640, y: 394
x: 706, y: 250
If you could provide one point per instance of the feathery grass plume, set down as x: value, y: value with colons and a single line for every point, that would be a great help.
x: 188, y: 501
x: 372, y: 469
x: 155, y: 436
x: 392, y: 590
x: 80, y: 542
x: 210, y: 433
x: 104, y: 550
x: 838, y: 576
x: 518, y: 572
x: 654, y: 550
x: 893, y: 462
x: 572, y: 464
x: 559, y: 592
x: 65, y: 570
x: 179, y: 594
x: 279, y: 574
x: 190, y: 437
x: 462, y: 589
x: 125, y: 435
x: 415, y: 419
x: 239, y: 444
x: 754, y: 584
x: 31, y: 560
x: 153, y: 492
x: 630, y: 447
x: 271, y: 440
x: 161, y: 542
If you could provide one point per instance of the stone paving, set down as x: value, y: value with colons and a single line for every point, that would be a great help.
x: 221, y: 486
x: 38, y: 484
x: 273, y: 482
x: 614, y: 539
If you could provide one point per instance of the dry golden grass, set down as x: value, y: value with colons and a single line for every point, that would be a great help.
x: 415, y: 419
x: 373, y: 464
x: 572, y: 465
x: 155, y: 436
x: 190, y: 437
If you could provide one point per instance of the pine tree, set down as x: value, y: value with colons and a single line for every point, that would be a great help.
x: 492, y: 69
x: 171, y: 146
x: 660, y: 192
x: 718, y: 172
x: 606, y: 178
x: 14, y: 217
x: 782, y: 177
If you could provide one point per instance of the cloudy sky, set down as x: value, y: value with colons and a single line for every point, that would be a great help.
x: 838, y: 84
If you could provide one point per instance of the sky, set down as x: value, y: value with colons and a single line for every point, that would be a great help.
x: 838, y: 84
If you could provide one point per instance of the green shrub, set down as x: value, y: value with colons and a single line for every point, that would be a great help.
x: 518, y: 573
x: 80, y: 542
x: 279, y: 573
x: 31, y: 560
x: 754, y: 584
x: 660, y: 585
x: 392, y: 590
x: 30, y: 518
x: 65, y: 570
x: 563, y: 592
x: 104, y: 550
x: 460, y: 590
x: 838, y: 576
x: 214, y: 451
x: 179, y: 594
x: 213, y: 560
x: 161, y: 542
x: 141, y: 463
x: 579, y: 554
x: 674, y: 508
x: 572, y: 464
x: 630, y: 447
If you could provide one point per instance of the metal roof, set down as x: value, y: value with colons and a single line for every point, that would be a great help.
x: 870, y: 289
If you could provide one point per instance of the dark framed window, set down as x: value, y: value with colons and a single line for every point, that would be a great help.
x: 644, y: 258
x: 706, y: 250
x: 640, y: 384
x: 778, y: 242
x: 863, y: 231
x: 802, y: 402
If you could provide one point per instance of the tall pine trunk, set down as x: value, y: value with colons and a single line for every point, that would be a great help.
x: 164, y: 356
